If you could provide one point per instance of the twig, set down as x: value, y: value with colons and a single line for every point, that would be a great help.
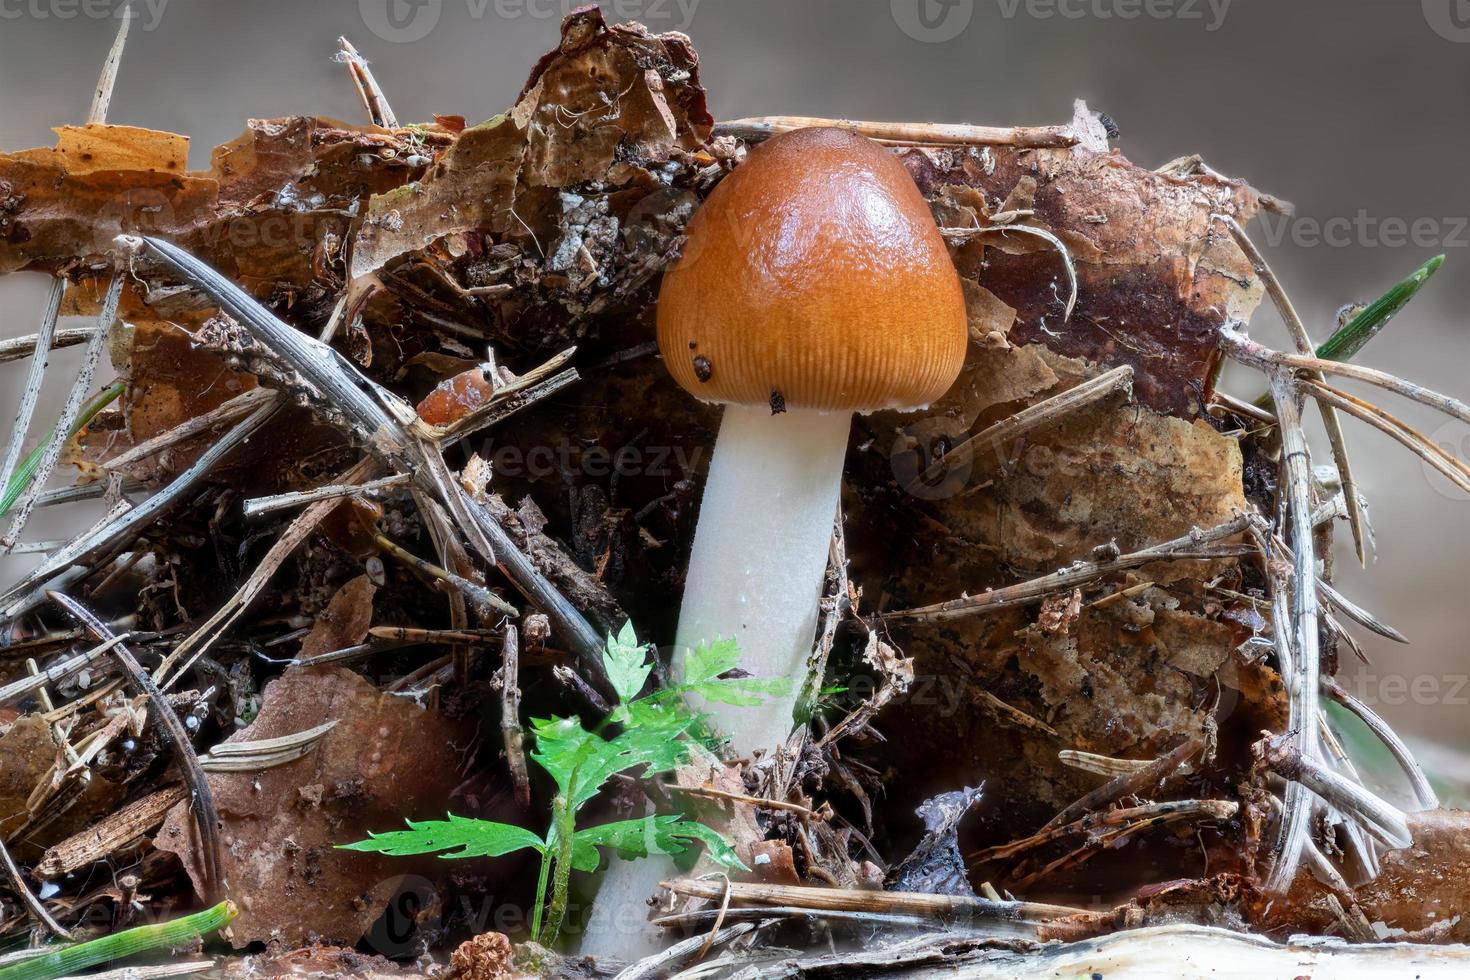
x: 1301, y: 640
x: 858, y: 900
x: 258, y: 506
x: 1453, y: 469
x: 107, y: 80
x: 35, y: 377
x: 835, y: 608
x: 231, y: 411
x: 347, y: 398
x: 124, y: 521
x: 1043, y: 413
x: 1101, y: 765
x: 1119, y: 829
x: 171, y: 733
x: 510, y: 716
x: 659, y: 964
x: 1198, y: 545
x: 62, y: 433
x: 709, y: 792
x: 487, y: 603
x: 373, y: 99
x: 1358, y: 614
x: 199, y: 642
x: 1156, y: 812
x: 1131, y: 783
x: 1303, y: 341
x: 922, y: 134
x: 58, y: 672
x: 1383, y: 820
x: 18, y: 882
x: 1247, y: 351
x: 21, y: 347
x: 414, y: 635
x: 1423, y: 791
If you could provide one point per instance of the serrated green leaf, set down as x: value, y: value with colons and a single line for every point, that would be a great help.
x: 671, y: 834
x: 465, y: 837
x: 627, y: 663
x: 709, y: 660
x: 746, y: 692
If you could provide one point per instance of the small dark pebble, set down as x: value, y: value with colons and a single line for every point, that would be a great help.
x: 694, y: 345
x: 778, y: 401
x: 703, y: 368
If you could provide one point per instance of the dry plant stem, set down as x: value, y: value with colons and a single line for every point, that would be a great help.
x: 69, y: 412
x: 231, y: 411
x: 680, y: 953
x: 347, y: 398
x: 300, y: 529
x: 1172, y: 810
x: 486, y: 602
x: 510, y: 716
x: 124, y: 522
x: 59, y: 671
x: 1115, y: 835
x: 1383, y: 821
x: 1358, y: 614
x: 260, y: 506
x: 452, y: 556
x: 859, y: 900
x: 1423, y: 791
x: 111, y: 834
x: 922, y: 134
x: 1197, y: 544
x: 373, y: 99
x: 18, y: 348
x: 18, y: 883
x: 171, y: 733
x: 35, y: 377
x: 1247, y: 351
x: 1302, y: 637
x: 1101, y: 765
x: 88, y: 491
x: 1132, y: 783
x: 1454, y: 470
x: 1043, y: 413
x: 1303, y: 341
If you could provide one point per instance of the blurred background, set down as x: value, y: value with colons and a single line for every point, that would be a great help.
x: 1355, y: 112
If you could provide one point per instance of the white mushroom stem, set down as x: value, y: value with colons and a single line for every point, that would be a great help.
x: 760, y: 555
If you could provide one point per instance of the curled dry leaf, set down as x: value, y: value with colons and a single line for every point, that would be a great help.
x: 385, y: 759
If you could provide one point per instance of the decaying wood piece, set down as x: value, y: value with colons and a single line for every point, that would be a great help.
x: 1163, y: 951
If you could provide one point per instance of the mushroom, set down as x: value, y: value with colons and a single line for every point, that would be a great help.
x: 814, y: 284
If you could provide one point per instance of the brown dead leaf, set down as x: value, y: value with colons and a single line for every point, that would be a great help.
x: 346, y: 620
x: 386, y: 759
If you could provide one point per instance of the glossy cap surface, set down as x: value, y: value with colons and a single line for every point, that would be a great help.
x: 814, y: 276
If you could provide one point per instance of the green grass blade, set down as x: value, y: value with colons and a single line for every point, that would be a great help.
x: 1345, y: 344
x: 130, y: 942
x: 26, y: 471
x: 1353, y: 336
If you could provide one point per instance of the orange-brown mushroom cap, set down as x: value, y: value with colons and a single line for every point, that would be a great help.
x: 815, y: 275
